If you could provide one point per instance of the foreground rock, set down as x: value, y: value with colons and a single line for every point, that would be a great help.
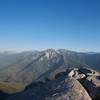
x: 60, y: 89
x: 76, y: 74
x: 71, y: 89
x: 93, y: 87
x: 90, y: 80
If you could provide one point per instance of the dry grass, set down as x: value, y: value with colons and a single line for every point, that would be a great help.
x: 11, y: 88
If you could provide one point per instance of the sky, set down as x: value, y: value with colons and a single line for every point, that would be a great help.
x: 42, y: 24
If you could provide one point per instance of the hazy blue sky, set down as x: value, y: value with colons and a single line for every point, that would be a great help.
x: 41, y: 24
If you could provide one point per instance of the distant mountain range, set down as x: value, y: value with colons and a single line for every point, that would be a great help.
x: 19, y: 70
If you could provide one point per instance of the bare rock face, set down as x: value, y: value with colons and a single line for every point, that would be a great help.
x: 71, y: 89
x: 90, y: 80
x: 76, y: 74
x: 93, y: 87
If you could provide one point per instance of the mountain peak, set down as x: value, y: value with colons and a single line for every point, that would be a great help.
x: 50, y: 53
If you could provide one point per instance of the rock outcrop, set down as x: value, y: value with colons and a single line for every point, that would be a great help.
x: 92, y: 85
x: 90, y: 79
x: 76, y: 74
x: 71, y: 89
